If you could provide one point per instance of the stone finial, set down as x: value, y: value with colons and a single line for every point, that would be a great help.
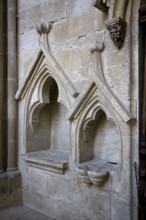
x: 43, y: 30
x: 117, y: 30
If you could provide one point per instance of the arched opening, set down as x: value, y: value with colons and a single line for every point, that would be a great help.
x: 60, y: 127
x: 100, y: 139
x: 50, y: 142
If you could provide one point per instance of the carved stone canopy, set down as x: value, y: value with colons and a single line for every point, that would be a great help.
x: 117, y: 30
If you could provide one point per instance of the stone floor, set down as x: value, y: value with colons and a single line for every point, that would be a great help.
x: 22, y: 213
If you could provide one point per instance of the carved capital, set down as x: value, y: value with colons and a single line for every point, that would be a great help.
x: 117, y: 29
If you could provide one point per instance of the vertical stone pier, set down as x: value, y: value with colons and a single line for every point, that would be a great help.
x: 1, y: 87
x: 10, y: 178
x: 12, y: 87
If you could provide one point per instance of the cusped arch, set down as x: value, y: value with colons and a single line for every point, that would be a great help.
x: 41, y: 98
x: 92, y: 115
x: 87, y: 122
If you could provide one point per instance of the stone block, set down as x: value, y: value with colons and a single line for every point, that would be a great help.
x: 74, y: 60
x: 24, y: 42
x: 115, y: 57
x: 29, y: 18
x: 119, y: 208
x: 25, y: 60
x: 22, y: 5
x: 72, y: 43
x: 63, y: 204
x: 75, y: 26
x: 76, y: 7
x: 53, y: 10
x: 119, y: 79
x: 11, y: 199
x: 36, y: 180
x: 90, y: 39
x: 3, y: 183
x: 14, y: 181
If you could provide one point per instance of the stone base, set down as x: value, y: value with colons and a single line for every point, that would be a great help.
x: 10, y: 189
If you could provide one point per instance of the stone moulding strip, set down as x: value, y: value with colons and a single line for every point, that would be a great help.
x: 43, y: 54
x: 83, y: 98
x: 80, y: 102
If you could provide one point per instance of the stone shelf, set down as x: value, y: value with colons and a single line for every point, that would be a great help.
x: 51, y: 160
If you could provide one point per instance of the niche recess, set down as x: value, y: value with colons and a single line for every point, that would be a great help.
x: 48, y: 132
x: 98, y: 139
x: 46, y: 94
x: 99, y: 145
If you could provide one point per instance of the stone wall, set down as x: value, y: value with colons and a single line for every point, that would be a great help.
x: 10, y: 178
x: 93, y: 118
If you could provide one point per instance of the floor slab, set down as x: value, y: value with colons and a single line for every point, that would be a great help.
x: 22, y: 213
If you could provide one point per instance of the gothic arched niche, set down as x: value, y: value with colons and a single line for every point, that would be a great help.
x: 47, y: 120
x: 100, y: 139
x: 106, y: 140
x: 50, y: 139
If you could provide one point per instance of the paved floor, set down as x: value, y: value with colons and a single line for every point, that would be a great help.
x: 22, y: 213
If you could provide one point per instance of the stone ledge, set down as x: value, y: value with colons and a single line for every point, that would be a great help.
x: 51, y: 160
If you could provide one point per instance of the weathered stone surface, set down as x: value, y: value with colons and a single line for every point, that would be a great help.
x: 73, y: 61
x: 49, y: 7
x: 11, y: 199
x: 83, y: 203
x: 25, y: 39
x: 22, y: 5
x: 76, y: 7
x: 120, y: 208
x: 29, y: 18
x: 86, y: 135
x: 77, y: 26
x: 21, y: 212
x: 4, y: 183
x: 14, y: 181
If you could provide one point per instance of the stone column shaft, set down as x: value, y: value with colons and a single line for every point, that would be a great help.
x: 12, y: 86
x: 1, y: 86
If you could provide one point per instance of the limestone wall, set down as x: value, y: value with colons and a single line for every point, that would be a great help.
x: 98, y: 88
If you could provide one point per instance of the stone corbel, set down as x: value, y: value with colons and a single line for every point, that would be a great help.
x: 116, y: 24
x: 117, y: 30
